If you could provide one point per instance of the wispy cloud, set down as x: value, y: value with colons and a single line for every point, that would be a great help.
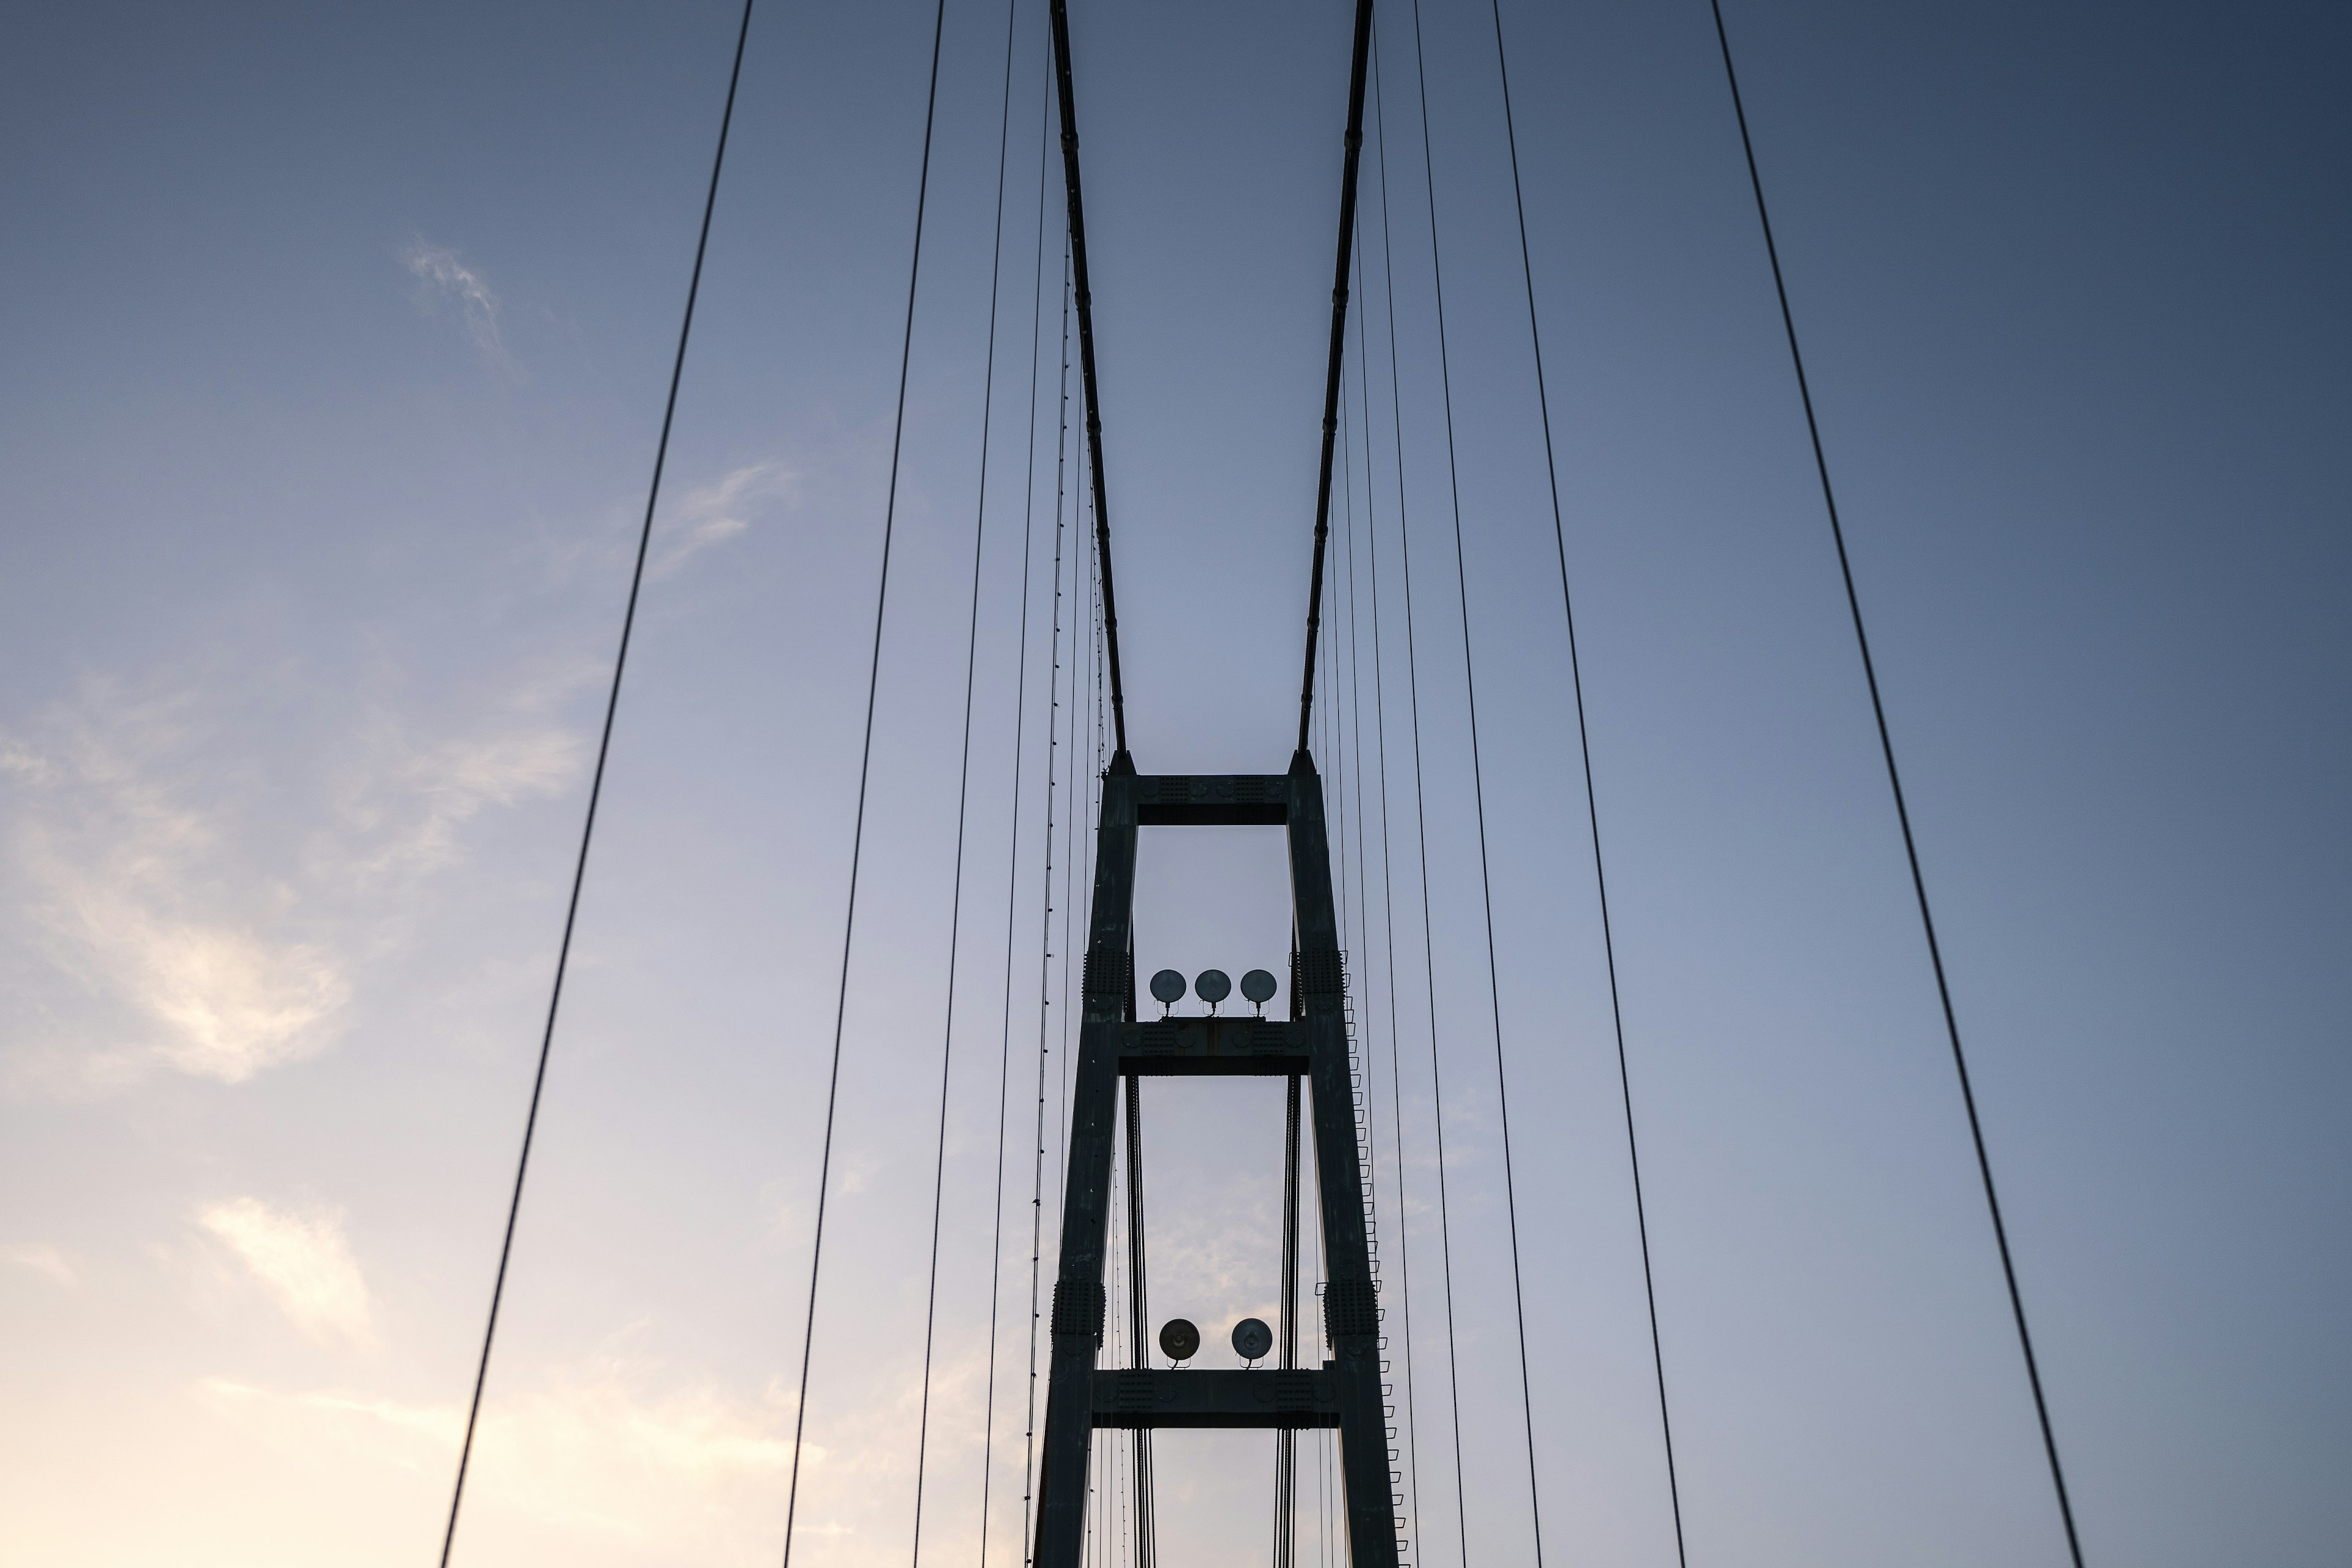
x: 46, y: 1262
x: 609, y: 1450
x: 438, y: 268
x: 719, y: 511
x: 197, y: 909
x: 303, y: 1261
x: 113, y: 864
x: 403, y: 803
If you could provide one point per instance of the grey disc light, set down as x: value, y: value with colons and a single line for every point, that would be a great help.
x: 1258, y: 986
x: 1179, y: 1340
x: 1212, y: 987
x: 1168, y: 987
x: 1251, y: 1339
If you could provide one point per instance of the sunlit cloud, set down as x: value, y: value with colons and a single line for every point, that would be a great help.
x: 302, y: 1260
x: 112, y: 880
x: 609, y: 1452
x: 719, y: 511
x: 46, y: 1262
x: 197, y: 912
x: 407, y: 803
x: 231, y: 1003
x: 438, y: 268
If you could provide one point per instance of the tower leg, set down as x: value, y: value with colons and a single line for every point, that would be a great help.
x: 1352, y: 1316
x: 1078, y: 1302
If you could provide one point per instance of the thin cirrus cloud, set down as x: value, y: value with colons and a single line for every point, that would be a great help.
x: 118, y: 884
x: 609, y: 1451
x: 719, y: 511
x: 301, y: 1259
x: 175, y: 912
x: 46, y: 1262
x: 439, y: 269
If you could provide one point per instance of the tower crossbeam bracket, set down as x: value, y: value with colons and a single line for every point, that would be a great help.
x: 1153, y: 1398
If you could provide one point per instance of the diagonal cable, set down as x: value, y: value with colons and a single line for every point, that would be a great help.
x: 1059, y: 18
x: 1012, y: 871
x: 963, y: 798
x: 864, y: 770
x: 1354, y: 145
x: 596, y: 791
x: 1478, y: 796
x: 1381, y: 748
x: 1902, y: 812
x: 1591, y: 804
x: 1428, y: 928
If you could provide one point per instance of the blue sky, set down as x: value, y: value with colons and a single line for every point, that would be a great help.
x: 338, y: 343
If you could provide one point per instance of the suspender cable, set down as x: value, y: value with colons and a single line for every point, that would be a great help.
x: 1061, y: 18
x: 1045, y: 931
x: 1012, y: 871
x: 1381, y: 748
x: 1428, y: 926
x: 964, y: 796
x: 1591, y: 801
x: 596, y: 791
x: 1139, y: 1321
x: 1478, y: 796
x: 1355, y: 145
x: 864, y: 769
x: 1902, y: 812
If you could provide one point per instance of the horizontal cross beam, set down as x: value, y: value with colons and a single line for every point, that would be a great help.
x: 1242, y: 1046
x: 1229, y: 1397
x: 1211, y: 800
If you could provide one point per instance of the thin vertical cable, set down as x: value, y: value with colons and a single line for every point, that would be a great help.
x: 1285, y: 1451
x: 1013, y: 868
x: 1140, y: 1321
x: 1478, y: 796
x: 865, y: 768
x: 595, y: 793
x: 1381, y: 748
x: 1428, y: 937
x: 1045, y: 939
x: 963, y: 797
x: 1591, y: 801
x: 1902, y: 811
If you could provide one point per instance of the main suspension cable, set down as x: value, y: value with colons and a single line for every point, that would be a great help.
x: 963, y: 797
x: 1902, y: 811
x: 1077, y: 211
x: 1591, y: 801
x: 865, y: 768
x: 1354, y: 145
x: 595, y: 793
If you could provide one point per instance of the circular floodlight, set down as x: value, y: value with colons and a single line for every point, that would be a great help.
x: 1252, y: 1337
x: 1258, y: 986
x: 1180, y: 1340
x: 1168, y: 987
x: 1212, y: 986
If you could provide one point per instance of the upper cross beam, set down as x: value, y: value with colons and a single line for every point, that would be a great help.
x: 1211, y: 800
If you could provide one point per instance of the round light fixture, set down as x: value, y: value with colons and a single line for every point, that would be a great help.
x: 1258, y: 986
x: 1179, y: 1340
x: 1168, y: 987
x: 1213, y: 987
x: 1251, y: 1339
